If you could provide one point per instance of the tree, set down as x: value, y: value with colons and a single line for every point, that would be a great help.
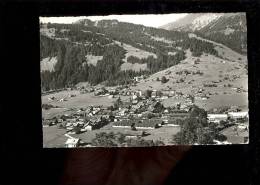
x: 196, y: 129
x: 164, y: 80
x: 121, y: 138
x: 148, y: 93
x: 105, y: 139
x: 118, y: 103
x: 150, y: 115
x: 158, y: 107
x: 159, y: 143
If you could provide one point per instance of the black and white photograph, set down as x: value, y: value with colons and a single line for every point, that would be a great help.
x: 144, y: 80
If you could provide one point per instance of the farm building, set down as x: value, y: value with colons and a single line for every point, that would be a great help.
x: 216, y: 118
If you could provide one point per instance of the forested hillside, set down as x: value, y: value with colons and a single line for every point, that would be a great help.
x: 111, y: 43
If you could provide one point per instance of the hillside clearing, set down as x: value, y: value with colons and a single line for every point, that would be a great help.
x: 48, y: 64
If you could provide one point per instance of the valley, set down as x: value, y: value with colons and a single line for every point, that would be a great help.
x: 117, y: 80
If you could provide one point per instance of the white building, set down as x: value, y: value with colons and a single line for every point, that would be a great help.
x: 216, y: 118
x: 238, y: 115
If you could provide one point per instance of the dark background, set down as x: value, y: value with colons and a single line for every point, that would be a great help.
x: 24, y: 161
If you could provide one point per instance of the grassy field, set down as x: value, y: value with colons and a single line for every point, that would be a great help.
x: 240, y: 100
x: 53, y: 137
x: 235, y: 137
x: 164, y: 134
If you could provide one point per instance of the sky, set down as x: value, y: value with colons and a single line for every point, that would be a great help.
x: 152, y: 20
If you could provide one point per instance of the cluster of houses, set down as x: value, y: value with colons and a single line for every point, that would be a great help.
x: 80, y: 121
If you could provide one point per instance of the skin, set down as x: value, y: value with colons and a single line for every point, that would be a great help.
x: 112, y: 166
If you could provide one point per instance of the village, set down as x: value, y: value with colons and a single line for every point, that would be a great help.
x: 140, y: 115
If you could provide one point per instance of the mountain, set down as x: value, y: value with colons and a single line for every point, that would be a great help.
x: 227, y: 28
x: 192, y: 22
x: 113, y: 52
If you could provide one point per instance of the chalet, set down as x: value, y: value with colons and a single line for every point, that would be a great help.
x: 72, y: 142
x: 138, y: 93
x: 216, y: 118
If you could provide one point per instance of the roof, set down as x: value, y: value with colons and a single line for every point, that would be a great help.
x: 178, y: 115
x: 217, y: 115
x: 238, y: 113
x: 123, y: 123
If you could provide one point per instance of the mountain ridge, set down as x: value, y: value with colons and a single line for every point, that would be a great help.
x: 113, y: 52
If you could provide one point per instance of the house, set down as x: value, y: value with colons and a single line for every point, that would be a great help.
x: 138, y: 78
x: 153, y: 94
x: 238, y: 115
x: 134, y: 97
x: 135, y: 101
x: 216, y: 118
x: 72, y: 142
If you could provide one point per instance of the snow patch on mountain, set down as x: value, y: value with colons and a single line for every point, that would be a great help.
x: 204, y: 20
